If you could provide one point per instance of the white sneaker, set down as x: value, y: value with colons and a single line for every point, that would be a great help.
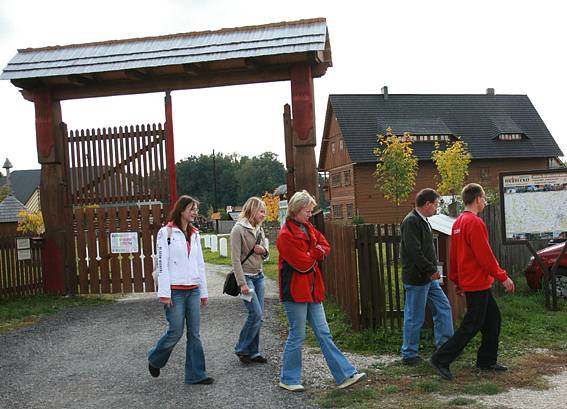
x: 293, y: 388
x: 352, y: 380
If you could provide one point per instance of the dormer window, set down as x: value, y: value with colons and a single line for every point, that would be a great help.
x: 510, y: 136
x: 430, y: 138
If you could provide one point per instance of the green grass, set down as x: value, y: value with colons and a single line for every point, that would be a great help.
x: 22, y: 311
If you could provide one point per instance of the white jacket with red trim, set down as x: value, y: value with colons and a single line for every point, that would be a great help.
x: 174, y: 267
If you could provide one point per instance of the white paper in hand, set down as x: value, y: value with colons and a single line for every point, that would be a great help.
x: 247, y: 297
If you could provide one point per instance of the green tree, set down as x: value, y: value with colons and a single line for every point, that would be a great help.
x: 452, y: 165
x: 259, y: 174
x: 237, y: 178
x: 396, y: 169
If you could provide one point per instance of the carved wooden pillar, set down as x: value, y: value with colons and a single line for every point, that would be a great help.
x: 170, y: 150
x: 58, y: 256
x: 289, y: 151
x: 303, y: 125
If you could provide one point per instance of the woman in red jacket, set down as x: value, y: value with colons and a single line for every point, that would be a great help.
x: 302, y: 292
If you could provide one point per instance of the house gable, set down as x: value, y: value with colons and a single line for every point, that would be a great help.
x: 334, y: 152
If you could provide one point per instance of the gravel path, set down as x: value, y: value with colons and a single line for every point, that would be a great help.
x: 95, y: 357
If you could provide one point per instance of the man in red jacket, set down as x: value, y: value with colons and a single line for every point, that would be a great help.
x: 473, y: 268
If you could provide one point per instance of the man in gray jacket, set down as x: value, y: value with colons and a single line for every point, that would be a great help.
x: 420, y: 275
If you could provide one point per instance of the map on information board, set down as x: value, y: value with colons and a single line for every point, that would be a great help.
x: 534, y: 204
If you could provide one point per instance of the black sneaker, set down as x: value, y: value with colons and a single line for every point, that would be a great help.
x: 442, y: 370
x: 207, y: 381
x: 153, y: 370
x: 259, y: 359
x: 245, y: 359
x: 494, y: 367
x: 413, y: 361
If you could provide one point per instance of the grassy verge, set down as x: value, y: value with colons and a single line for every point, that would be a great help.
x: 22, y: 311
x: 532, y: 344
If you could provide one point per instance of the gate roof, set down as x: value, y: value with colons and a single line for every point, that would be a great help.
x: 228, y: 56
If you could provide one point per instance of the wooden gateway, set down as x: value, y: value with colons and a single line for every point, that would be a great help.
x: 121, y: 180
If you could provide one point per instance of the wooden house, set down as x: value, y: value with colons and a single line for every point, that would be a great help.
x: 503, y: 132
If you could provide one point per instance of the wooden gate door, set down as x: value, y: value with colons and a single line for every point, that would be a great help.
x: 119, y: 190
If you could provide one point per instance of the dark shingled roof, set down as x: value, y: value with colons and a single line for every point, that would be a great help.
x: 23, y: 183
x: 9, y: 209
x: 476, y: 119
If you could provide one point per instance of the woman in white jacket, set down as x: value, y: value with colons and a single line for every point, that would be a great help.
x: 182, y: 288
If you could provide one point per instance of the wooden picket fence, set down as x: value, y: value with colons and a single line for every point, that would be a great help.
x: 117, y: 165
x: 20, y: 277
x: 363, y: 275
x: 340, y: 272
x: 101, y: 271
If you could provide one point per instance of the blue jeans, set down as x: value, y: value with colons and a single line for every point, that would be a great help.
x: 249, y: 340
x: 417, y: 296
x: 297, y: 316
x: 186, y: 307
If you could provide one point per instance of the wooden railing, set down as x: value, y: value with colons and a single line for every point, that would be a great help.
x: 20, y: 277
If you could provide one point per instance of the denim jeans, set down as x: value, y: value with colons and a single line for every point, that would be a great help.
x: 249, y: 340
x: 417, y: 296
x: 483, y: 315
x: 186, y: 307
x: 297, y: 316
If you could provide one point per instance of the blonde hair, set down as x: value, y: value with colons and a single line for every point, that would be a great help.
x: 298, y: 201
x: 250, y: 208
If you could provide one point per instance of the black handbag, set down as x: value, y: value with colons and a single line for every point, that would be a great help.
x: 230, y: 286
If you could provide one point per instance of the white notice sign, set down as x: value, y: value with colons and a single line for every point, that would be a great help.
x: 126, y: 242
x: 22, y: 243
x: 24, y: 254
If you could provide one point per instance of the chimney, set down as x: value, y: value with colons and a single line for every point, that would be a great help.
x: 385, y: 92
x: 490, y: 91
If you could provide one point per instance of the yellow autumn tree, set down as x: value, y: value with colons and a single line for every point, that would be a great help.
x: 272, y: 207
x: 452, y: 165
x: 30, y: 223
x: 396, y: 169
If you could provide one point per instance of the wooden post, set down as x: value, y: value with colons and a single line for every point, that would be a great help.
x: 303, y: 125
x: 169, y: 149
x: 58, y: 256
x: 289, y: 154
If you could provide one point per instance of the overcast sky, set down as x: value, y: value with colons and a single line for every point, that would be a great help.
x: 516, y: 47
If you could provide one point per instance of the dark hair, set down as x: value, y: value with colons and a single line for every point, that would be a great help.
x: 426, y: 195
x: 180, y: 205
x: 471, y: 192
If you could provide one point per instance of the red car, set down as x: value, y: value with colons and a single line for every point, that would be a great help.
x: 548, y: 255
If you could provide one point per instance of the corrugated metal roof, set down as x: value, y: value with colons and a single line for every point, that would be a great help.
x: 244, y: 42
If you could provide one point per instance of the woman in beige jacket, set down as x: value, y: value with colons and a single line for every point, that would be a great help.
x: 247, y: 237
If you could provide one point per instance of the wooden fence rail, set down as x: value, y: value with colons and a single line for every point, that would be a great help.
x: 20, y: 277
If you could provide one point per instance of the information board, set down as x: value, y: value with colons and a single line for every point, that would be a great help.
x: 534, y: 204
x: 126, y: 242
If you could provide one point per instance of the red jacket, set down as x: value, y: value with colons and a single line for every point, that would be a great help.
x: 472, y: 265
x: 299, y: 274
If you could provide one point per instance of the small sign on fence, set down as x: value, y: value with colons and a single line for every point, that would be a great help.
x: 24, y: 248
x: 126, y: 242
